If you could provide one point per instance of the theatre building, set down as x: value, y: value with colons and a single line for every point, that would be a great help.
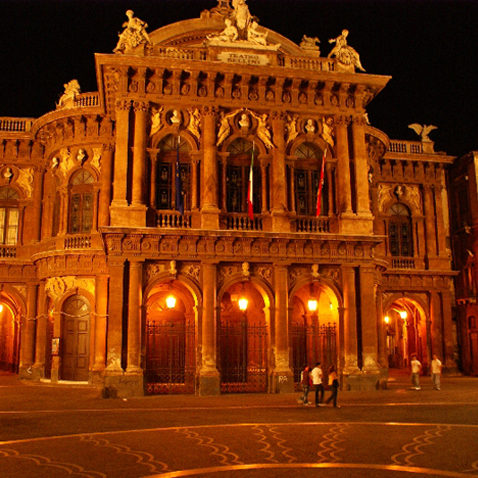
x: 161, y: 234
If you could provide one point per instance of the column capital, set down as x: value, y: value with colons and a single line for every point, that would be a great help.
x: 141, y: 106
x: 342, y: 121
x: 122, y: 104
x: 209, y: 111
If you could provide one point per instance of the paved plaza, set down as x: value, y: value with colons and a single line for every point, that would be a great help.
x: 62, y: 430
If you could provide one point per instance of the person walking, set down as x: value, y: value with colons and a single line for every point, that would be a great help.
x: 436, y: 366
x: 416, y: 367
x: 316, y: 376
x: 334, y: 386
x: 306, y: 382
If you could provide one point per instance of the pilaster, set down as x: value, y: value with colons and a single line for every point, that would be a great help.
x: 27, y: 341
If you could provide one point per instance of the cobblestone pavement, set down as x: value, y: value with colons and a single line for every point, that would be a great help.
x: 58, y: 431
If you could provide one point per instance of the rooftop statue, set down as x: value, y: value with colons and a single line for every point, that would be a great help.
x: 67, y: 99
x: 133, y: 35
x: 345, y: 54
x: 423, y: 131
x: 255, y: 36
x: 310, y: 44
x: 242, y: 16
x: 229, y: 34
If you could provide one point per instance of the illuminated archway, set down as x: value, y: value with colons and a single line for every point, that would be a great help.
x: 9, y: 336
x: 313, y: 327
x: 243, y: 339
x: 406, y: 332
x: 169, y: 339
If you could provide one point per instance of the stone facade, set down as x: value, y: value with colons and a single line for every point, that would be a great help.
x: 98, y: 185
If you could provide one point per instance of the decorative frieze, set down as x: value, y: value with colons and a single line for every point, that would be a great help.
x: 56, y: 287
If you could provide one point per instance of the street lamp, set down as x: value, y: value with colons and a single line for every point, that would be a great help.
x: 386, y: 319
x: 312, y: 305
x: 403, y: 314
x: 243, y: 302
x: 171, y: 301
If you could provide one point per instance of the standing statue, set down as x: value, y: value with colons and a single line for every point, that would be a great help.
x: 224, y: 127
x: 156, y: 119
x: 263, y: 132
x: 291, y: 126
x: 133, y: 35
x: 345, y: 54
x: 242, y: 16
x: 328, y: 130
x: 194, y: 121
x: 67, y: 99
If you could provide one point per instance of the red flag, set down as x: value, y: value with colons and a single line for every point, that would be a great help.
x: 321, y: 184
x: 250, y: 211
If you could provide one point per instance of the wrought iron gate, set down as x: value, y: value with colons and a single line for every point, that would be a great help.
x: 311, y: 344
x: 169, y: 357
x: 243, y: 357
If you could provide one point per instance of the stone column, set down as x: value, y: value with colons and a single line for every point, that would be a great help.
x: 368, y: 320
x: 280, y: 221
x: 153, y: 155
x: 134, y: 318
x: 55, y: 359
x: 106, y: 182
x: 27, y: 342
x: 382, y: 330
x: 430, y: 225
x: 119, y: 203
x: 440, y: 223
x: 115, y: 322
x: 283, y: 378
x: 209, y: 379
x: 101, y: 299
x: 343, y: 167
x: 436, y: 325
x: 37, y: 209
x: 40, y: 338
x: 448, y: 334
x: 209, y: 207
x: 361, y: 167
x: 350, y: 321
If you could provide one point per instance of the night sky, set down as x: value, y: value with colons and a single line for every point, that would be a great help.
x: 429, y: 47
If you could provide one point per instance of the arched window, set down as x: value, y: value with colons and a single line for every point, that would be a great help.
x: 166, y: 186
x: 306, y: 177
x: 9, y: 215
x: 237, y: 177
x: 81, y: 202
x: 400, y: 231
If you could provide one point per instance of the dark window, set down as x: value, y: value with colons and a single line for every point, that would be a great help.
x: 81, y: 202
x: 400, y: 231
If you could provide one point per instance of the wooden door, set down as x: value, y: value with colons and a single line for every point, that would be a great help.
x: 75, y: 339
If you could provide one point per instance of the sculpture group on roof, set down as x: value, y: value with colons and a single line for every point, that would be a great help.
x: 133, y: 35
x: 344, y: 53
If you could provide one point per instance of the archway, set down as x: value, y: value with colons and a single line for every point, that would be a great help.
x: 9, y: 336
x: 243, y: 338
x: 313, y: 328
x: 169, y: 340
x: 75, y: 340
x: 406, y: 330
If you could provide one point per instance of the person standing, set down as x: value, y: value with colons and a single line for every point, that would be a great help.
x: 334, y: 386
x: 436, y: 366
x: 416, y: 367
x: 316, y: 376
x: 305, y: 381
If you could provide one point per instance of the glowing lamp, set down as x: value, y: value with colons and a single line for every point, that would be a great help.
x: 1, y: 308
x: 403, y: 314
x: 171, y: 301
x: 312, y: 305
x: 243, y: 302
x: 386, y: 319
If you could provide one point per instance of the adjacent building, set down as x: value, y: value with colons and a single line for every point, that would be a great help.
x: 217, y: 215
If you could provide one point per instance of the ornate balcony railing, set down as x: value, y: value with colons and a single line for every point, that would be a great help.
x: 312, y: 224
x: 16, y: 125
x: 411, y: 147
x: 173, y: 219
x: 241, y: 222
x: 8, y: 252
x: 78, y: 242
x: 403, y: 263
x: 87, y: 100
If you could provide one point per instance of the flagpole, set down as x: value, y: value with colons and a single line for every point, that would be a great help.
x: 321, y: 183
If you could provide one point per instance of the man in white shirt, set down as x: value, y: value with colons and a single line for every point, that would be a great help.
x: 316, y: 376
x: 416, y: 366
x: 436, y: 367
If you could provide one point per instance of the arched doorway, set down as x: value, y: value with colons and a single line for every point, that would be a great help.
x: 169, y: 340
x: 243, y: 338
x: 75, y: 340
x: 313, y: 328
x: 406, y: 333
x: 9, y: 336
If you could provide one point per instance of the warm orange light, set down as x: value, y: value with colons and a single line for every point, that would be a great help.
x: 243, y: 303
x: 331, y: 306
x: 171, y: 301
x: 386, y: 319
x: 312, y: 305
x: 403, y: 314
x: 1, y: 308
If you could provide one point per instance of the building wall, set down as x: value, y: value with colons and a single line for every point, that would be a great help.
x: 101, y: 243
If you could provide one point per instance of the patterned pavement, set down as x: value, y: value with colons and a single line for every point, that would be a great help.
x: 308, y: 449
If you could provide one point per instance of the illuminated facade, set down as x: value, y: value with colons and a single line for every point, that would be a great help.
x: 129, y: 258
